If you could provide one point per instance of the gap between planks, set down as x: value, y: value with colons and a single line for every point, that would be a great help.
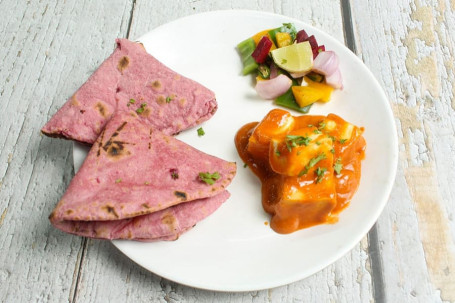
x: 374, y: 251
x: 85, y: 242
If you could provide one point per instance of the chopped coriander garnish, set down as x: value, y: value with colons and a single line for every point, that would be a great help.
x: 318, y: 143
x: 338, y: 166
x: 310, y: 125
x: 132, y: 101
x: 311, y: 163
x: 168, y: 99
x: 141, y: 109
x: 174, y: 173
x: 332, y: 137
x: 320, y: 174
x: 209, y: 178
x: 200, y: 132
x: 293, y: 141
x: 245, y: 165
x: 321, y: 125
x: 277, y: 152
x: 316, y: 131
x: 342, y: 141
x: 332, y: 150
x: 118, y: 180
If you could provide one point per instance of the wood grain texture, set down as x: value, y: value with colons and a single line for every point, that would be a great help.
x: 107, y: 274
x: 47, y: 50
x: 410, y: 49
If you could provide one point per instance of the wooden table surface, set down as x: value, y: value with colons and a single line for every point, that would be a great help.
x: 49, y: 48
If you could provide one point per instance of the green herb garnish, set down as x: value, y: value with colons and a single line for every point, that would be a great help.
x: 209, y: 178
x: 200, y: 132
x: 320, y: 174
x: 338, y: 166
x: 168, y: 99
x: 277, y: 152
x: 245, y: 165
x: 141, y: 109
x: 293, y: 141
x: 132, y: 101
x: 311, y: 163
x: 321, y: 125
x: 316, y: 131
x: 342, y: 141
x: 332, y: 150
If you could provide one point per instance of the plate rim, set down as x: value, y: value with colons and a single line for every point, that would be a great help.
x: 387, y: 188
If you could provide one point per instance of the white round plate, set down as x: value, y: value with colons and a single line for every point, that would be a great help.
x: 233, y: 249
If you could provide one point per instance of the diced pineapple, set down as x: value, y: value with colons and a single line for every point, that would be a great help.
x: 283, y: 39
x: 257, y: 37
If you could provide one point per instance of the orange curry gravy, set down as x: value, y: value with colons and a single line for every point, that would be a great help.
x: 309, y: 166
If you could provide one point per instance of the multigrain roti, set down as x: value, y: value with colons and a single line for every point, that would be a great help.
x: 133, y: 170
x: 131, y: 79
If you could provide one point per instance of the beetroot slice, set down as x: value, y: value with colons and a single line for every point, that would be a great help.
x: 301, y: 36
x: 262, y: 49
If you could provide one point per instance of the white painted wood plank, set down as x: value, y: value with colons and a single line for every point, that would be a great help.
x: 111, y: 276
x: 410, y: 49
x: 47, y: 50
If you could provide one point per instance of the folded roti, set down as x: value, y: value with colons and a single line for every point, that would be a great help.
x: 131, y: 79
x: 134, y: 170
x: 166, y: 224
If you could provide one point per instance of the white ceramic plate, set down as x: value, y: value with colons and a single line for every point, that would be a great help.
x: 233, y: 250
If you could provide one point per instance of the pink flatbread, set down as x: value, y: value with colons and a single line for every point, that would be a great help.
x: 133, y: 170
x: 166, y: 224
x: 132, y: 79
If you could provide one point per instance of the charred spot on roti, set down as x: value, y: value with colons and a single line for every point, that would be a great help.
x: 169, y: 220
x: 161, y: 99
x: 101, y: 109
x: 100, y: 144
x: 119, y: 129
x: 115, y: 148
x: 146, y: 112
x: 182, y: 102
x: 69, y: 212
x: 145, y: 205
x: 156, y: 85
x: 74, y: 101
x: 52, y: 215
x: 180, y: 194
x: 123, y: 63
x: 110, y: 210
x: 82, y: 111
x: 177, y: 77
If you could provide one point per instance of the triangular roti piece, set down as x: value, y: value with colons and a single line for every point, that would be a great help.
x: 133, y: 170
x: 132, y: 79
x: 166, y: 224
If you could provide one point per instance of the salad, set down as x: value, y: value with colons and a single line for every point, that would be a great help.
x: 290, y: 67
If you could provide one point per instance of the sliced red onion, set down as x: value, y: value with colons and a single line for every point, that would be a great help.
x: 335, y: 80
x: 326, y: 63
x: 270, y: 89
x: 273, y: 70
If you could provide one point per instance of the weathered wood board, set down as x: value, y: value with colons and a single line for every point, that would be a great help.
x: 409, y: 46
